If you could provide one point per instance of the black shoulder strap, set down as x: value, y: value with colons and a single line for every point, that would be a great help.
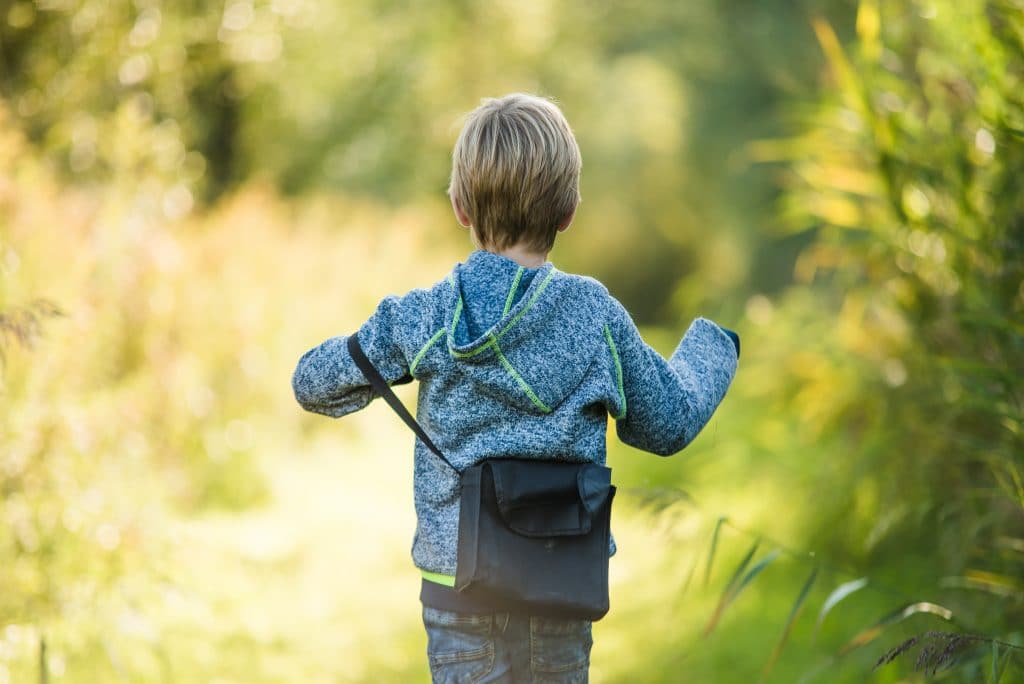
x: 381, y: 387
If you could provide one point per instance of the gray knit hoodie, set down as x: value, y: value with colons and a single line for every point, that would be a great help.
x: 518, y: 362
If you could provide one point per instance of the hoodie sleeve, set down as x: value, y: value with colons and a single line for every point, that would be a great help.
x: 668, y: 402
x: 327, y: 380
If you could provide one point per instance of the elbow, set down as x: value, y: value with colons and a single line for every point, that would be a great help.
x: 662, y: 440
x: 677, y: 430
x: 673, y: 444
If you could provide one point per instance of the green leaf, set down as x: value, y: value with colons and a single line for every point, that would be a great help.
x: 868, y: 634
x: 835, y: 57
x: 714, y: 547
x: 727, y: 593
x: 869, y: 25
x: 659, y: 499
x: 44, y: 674
x: 689, y: 577
x: 738, y: 572
x: 991, y: 582
x: 756, y: 570
x: 738, y: 582
x: 793, y: 613
x: 999, y: 663
x: 840, y: 592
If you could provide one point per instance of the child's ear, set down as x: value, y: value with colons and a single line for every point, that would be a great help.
x: 564, y: 225
x: 460, y: 214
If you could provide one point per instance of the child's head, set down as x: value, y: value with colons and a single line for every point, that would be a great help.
x: 516, y: 173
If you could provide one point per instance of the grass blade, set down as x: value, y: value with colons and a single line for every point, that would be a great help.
x: 869, y: 634
x: 725, y: 599
x: 738, y: 581
x: 738, y: 572
x: 689, y: 577
x: 659, y: 499
x: 982, y: 580
x: 44, y: 673
x: 755, y: 571
x: 840, y: 592
x: 999, y: 665
x: 793, y: 613
x: 714, y: 547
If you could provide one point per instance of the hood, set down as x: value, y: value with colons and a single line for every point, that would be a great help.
x: 524, y: 336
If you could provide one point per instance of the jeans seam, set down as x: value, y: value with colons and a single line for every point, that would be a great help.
x: 572, y: 667
x: 448, y: 619
x: 463, y: 656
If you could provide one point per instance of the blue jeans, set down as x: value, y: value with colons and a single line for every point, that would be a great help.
x: 469, y: 649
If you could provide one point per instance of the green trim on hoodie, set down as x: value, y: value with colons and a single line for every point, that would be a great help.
x: 519, y: 379
x: 512, y: 291
x: 423, y: 351
x: 618, y: 370
x: 508, y: 326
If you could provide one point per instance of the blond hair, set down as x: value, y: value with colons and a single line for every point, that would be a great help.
x: 516, y: 171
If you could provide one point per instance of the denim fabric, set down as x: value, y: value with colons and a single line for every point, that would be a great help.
x: 472, y: 649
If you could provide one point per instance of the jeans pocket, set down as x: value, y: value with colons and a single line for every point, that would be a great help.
x: 560, y: 649
x: 460, y: 647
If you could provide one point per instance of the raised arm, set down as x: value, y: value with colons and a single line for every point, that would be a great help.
x: 669, y: 402
x: 327, y: 381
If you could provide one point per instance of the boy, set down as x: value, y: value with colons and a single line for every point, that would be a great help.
x: 515, y: 358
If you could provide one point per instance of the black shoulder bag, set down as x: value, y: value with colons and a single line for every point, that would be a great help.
x: 533, y: 535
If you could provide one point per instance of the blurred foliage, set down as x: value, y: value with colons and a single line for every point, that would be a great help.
x: 909, y: 175
x: 906, y: 373
x: 365, y: 98
x: 203, y: 191
x: 150, y: 404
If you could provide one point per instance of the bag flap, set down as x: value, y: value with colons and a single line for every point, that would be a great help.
x: 549, y: 499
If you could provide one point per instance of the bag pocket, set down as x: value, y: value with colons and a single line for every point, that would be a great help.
x: 543, y: 499
x: 533, y: 535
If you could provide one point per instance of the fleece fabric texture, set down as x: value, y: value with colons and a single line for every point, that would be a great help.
x: 518, y: 362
